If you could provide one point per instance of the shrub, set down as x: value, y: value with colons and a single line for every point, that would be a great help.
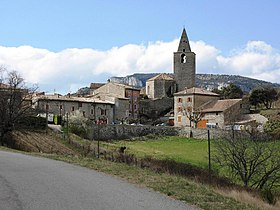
x: 78, y: 130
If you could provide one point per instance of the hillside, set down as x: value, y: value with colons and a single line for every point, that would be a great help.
x: 38, y: 141
x: 208, y: 81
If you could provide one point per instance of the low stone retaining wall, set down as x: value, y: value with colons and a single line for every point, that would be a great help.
x: 113, y: 132
x: 107, y: 132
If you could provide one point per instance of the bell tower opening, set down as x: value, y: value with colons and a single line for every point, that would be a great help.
x: 183, y: 58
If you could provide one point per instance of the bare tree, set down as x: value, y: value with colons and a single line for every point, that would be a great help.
x: 15, y: 100
x: 256, y: 163
x: 194, y: 115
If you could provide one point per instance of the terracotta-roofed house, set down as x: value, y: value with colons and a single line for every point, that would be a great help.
x: 206, y: 104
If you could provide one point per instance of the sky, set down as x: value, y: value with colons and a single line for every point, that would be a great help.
x: 63, y: 45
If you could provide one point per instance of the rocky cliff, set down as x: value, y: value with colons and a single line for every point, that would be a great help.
x: 208, y: 81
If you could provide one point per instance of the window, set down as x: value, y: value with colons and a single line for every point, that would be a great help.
x: 179, y: 119
x: 73, y: 108
x: 189, y: 99
x: 91, y: 111
x: 135, y: 106
x: 180, y: 100
x: 84, y: 113
x: 240, y: 106
x: 47, y: 107
x: 217, y: 113
x: 103, y: 111
x: 60, y: 107
x: 80, y: 104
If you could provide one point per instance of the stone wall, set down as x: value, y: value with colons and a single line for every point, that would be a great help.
x: 115, y: 132
x: 110, y: 132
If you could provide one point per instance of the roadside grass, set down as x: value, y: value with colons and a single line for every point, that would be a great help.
x: 178, y: 187
x: 202, y: 196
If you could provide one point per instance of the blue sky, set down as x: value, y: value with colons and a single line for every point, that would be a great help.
x: 66, y: 44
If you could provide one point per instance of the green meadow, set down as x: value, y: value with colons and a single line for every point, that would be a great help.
x: 180, y: 149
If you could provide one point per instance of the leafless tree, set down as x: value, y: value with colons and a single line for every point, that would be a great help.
x: 256, y: 163
x: 15, y: 100
x: 193, y: 115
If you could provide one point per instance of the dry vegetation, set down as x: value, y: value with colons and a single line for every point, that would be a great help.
x: 38, y: 141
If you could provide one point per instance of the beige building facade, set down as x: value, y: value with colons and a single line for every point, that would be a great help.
x: 123, y: 91
x: 99, y: 111
x: 206, y: 107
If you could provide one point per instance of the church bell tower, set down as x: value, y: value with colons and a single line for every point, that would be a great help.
x: 184, y: 64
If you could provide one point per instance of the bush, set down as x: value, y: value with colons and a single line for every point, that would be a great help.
x: 33, y: 122
x: 78, y: 130
x: 268, y: 196
x: 273, y: 127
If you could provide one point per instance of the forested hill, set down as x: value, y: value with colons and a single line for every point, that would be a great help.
x: 208, y: 81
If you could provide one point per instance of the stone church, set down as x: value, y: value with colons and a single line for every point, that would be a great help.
x: 188, y: 101
x: 202, y: 106
x: 184, y: 64
x: 165, y: 85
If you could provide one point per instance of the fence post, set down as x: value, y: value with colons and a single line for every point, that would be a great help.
x: 209, y: 154
x: 98, y: 144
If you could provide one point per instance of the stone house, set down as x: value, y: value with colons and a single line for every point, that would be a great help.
x: 206, y: 106
x: 94, y: 109
x: 123, y: 91
x: 121, y: 105
x: 94, y: 86
x: 160, y: 86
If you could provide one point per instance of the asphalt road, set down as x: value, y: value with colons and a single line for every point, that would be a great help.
x: 28, y: 182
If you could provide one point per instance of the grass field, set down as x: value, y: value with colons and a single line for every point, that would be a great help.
x: 180, y: 149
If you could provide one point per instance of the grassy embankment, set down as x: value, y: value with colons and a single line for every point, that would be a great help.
x: 202, y: 196
x: 181, y: 149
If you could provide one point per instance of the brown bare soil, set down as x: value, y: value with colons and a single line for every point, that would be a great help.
x: 38, y: 141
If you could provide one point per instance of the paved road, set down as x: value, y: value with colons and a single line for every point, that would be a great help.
x: 28, y: 182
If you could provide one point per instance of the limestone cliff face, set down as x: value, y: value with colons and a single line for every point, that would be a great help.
x: 135, y: 80
x: 128, y: 80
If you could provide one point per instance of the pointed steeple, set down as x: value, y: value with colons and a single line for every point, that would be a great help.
x: 184, y: 45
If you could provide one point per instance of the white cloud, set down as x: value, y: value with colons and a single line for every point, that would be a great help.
x: 257, y: 59
x: 73, y: 68
x: 206, y: 57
